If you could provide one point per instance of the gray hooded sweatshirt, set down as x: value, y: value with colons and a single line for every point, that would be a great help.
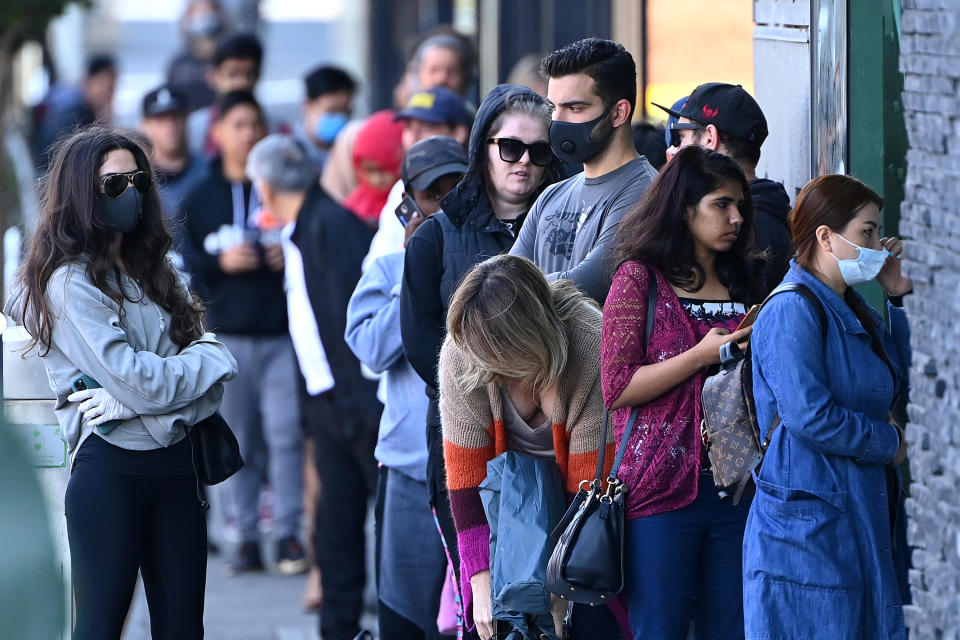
x: 133, y: 358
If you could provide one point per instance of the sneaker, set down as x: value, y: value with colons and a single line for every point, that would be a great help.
x: 246, y: 559
x: 291, y: 559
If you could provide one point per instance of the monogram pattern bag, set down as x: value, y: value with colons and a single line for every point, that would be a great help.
x: 729, y: 429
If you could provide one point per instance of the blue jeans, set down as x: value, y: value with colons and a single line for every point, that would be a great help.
x: 684, y: 565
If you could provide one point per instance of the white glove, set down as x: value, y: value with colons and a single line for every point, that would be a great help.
x: 98, y: 406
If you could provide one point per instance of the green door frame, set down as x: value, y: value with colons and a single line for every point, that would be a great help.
x: 877, y: 135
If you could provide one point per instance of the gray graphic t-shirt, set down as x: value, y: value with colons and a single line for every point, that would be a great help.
x: 570, y: 230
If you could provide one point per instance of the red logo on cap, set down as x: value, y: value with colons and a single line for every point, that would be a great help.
x: 709, y: 113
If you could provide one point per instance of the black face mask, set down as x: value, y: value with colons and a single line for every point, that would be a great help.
x: 572, y: 143
x: 121, y: 214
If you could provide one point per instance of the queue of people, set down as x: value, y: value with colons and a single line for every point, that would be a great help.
x: 413, y: 296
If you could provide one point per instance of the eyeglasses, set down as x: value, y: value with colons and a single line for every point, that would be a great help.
x: 677, y: 127
x: 115, y: 184
x: 511, y: 150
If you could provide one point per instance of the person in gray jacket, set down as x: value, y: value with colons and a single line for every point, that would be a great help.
x: 132, y: 369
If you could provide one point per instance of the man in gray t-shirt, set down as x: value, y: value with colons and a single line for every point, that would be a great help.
x: 570, y: 230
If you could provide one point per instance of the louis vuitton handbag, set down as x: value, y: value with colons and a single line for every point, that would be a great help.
x: 729, y: 429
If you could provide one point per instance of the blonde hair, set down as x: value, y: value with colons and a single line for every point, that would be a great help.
x: 511, y: 324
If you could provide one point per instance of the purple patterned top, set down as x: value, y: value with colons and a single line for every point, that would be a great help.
x: 664, y: 456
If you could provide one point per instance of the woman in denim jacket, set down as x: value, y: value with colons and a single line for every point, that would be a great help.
x: 817, y: 548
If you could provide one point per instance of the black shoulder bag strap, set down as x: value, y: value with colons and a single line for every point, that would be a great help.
x: 635, y: 411
x: 803, y: 290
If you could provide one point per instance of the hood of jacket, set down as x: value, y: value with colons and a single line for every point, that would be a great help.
x: 470, y: 196
x: 770, y: 198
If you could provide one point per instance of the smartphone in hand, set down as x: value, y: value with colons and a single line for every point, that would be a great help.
x: 85, y: 382
x: 749, y: 318
x: 406, y: 209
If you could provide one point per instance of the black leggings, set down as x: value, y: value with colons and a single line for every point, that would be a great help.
x: 119, y: 523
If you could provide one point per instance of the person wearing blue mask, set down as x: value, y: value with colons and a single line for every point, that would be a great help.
x: 829, y: 375
x: 326, y: 110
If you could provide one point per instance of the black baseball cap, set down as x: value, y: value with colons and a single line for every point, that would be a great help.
x: 726, y: 106
x: 163, y: 99
x: 438, y: 105
x: 430, y: 159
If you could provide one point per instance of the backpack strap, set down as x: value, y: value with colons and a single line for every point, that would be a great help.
x: 803, y: 290
x: 635, y: 411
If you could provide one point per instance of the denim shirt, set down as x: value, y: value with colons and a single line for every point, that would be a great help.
x: 818, y: 560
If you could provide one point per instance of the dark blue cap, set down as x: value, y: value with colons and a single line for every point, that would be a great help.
x: 438, y: 105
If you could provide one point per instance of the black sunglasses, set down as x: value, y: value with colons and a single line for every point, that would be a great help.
x: 115, y: 184
x: 677, y: 127
x: 511, y: 150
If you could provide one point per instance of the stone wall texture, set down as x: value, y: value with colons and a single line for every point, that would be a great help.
x: 930, y: 60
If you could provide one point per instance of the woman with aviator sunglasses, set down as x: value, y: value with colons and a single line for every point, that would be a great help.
x: 127, y: 357
x: 508, y: 168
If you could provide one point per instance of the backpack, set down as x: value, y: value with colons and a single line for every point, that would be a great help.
x: 729, y: 429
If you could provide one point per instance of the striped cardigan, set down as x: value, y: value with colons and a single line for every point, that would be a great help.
x: 473, y: 434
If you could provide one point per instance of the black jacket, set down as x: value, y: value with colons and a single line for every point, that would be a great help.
x: 248, y: 304
x: 332, y: 242
x: 771, y: 207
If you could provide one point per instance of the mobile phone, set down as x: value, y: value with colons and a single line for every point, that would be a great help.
x: 85, y: 382
x: 406, y: 209
x: 749, y: 318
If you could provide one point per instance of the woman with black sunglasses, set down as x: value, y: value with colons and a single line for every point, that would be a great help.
x: 127, y: 357
x: 510, y: 164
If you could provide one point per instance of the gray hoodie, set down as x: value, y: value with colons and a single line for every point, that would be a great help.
x: 133, y: 358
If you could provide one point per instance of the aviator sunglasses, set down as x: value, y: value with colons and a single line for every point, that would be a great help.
x: 511, y: 150
x: 115, y: 184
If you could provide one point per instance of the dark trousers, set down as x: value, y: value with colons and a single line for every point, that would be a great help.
x: 348, y: 479
x: 687, y: 562
x: 118, y: 524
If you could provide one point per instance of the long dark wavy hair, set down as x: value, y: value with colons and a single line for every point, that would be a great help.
x: 656, y: 232
x: 66, y: 232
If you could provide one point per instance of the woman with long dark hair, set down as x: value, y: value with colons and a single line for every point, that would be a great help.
x: 126, y: 355
x: 818, y: 553
x: 691, y: 237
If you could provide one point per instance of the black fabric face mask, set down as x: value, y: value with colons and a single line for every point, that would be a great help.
x: 571, y: 140
x: 121, y: 214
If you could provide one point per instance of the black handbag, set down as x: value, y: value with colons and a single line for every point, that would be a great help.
x: 586, y: 566
x: 215, y: 450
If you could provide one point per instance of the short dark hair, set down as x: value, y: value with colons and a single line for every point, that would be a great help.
x: 234, y: 99
x: 243, y: 46
x: 740, y: 149
x: 649, y: 142
x: 323, y: 80
x: 99, y: 63
x: 607, y: 62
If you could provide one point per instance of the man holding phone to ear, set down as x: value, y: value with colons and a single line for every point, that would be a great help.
x: 411, y: 552
x: 430, y: 170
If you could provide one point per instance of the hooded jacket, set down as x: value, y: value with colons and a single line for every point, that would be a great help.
x: 464, y: 233
x: 771, y: 207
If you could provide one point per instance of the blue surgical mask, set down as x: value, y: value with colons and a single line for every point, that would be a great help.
x: 864, y: 267
x: 328, y: 126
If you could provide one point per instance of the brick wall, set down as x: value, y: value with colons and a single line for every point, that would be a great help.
x: 930, y: 58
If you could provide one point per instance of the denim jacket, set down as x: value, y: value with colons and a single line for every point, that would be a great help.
x: 818, y: 559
